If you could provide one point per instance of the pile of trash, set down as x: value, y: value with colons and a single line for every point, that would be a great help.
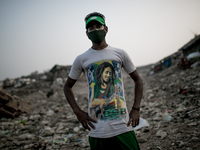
x: 47, y: 122
x: 12, y: 106
x: 171, y: 105
x: 191, y: 61
x: 41, y: 118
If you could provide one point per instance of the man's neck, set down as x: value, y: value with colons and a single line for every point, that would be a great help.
x: 100, y: 46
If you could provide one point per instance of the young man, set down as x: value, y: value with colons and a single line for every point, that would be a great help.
x: 107, y: 119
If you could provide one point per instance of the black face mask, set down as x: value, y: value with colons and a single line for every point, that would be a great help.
x: 97, y: 36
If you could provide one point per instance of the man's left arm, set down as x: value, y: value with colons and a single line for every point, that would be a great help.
x: 134, y: 114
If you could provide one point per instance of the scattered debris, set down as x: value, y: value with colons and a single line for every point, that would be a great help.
x: 12, y: 106
x: 170, y: 109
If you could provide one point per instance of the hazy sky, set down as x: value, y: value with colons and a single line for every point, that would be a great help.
x: 37, y: 34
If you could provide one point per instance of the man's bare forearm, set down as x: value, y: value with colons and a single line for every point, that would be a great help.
x: 70, y: 95
x: 138, y: 93
x: 82, y: 116
x: 138, y: 89
x: 71, y: 99
x: 134, y: 114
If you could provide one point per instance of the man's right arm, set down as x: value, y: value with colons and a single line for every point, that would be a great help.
x: 82, y: 116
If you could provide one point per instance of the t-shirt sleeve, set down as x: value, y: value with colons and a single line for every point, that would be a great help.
x: 76, y: 69
x: 127, y: 63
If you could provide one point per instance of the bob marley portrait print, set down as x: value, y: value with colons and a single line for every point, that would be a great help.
x: 106, y: 99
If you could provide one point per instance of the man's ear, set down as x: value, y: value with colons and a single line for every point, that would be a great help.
x: 106, y: 29
x: 86, y: 33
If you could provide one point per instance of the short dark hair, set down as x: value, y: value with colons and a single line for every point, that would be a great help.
x: 94, y: 14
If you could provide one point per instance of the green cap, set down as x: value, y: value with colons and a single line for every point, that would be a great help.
x: 96, y: 18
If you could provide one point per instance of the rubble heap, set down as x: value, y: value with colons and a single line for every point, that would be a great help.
x: 12, y: 106
x: 170, y: 104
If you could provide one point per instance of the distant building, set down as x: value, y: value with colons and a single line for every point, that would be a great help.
x: 192, y: 46
x: 60, y: 71
x: 166, y: 62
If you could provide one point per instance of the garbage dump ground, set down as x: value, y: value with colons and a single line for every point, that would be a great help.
x: 170, y: 105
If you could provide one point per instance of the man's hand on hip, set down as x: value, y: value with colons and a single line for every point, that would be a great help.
x: 85, y: 119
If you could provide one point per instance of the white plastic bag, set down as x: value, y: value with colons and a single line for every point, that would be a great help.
x: 142, y: 123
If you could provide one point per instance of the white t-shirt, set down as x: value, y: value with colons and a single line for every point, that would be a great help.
x: 106, y: 100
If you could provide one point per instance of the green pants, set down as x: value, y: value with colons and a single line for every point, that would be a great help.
x: 125, y: 141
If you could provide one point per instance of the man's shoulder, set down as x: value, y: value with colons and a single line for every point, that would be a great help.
x: 84, y: 54
x: 115, y: 48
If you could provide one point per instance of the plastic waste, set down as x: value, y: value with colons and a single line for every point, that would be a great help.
x: 60, y: 140
x: 193, y: 55
x: 161, y: 133
x: 6, y: 133
x: 142, y: 123
x: 195, y: 65
x: 168, y: 118
x: 20, y: 122
x: 69, y: 135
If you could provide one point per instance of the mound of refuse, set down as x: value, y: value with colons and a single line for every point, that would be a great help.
x: 12, y: 106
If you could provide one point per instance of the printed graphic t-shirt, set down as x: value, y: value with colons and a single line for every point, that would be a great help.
x: 106, y: 100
